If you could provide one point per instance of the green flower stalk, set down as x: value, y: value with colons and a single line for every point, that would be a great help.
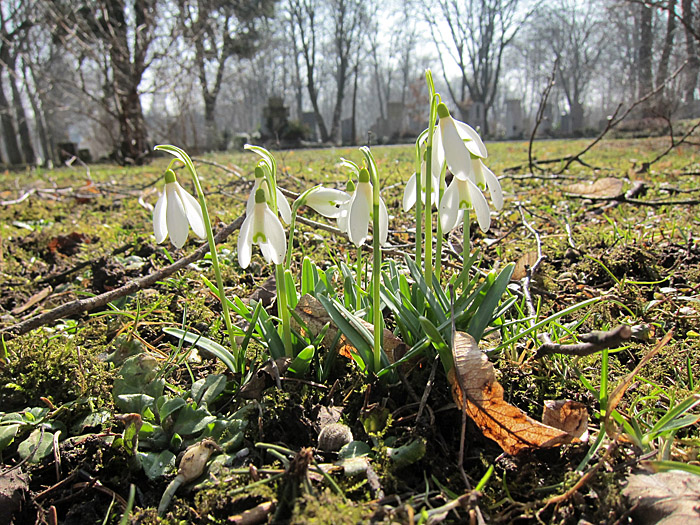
x: 434, y: 99
x: 378, y: 238
x: 180, y: 155
x: 265, y: 231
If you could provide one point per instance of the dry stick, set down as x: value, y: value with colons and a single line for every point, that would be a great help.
x: 592, y: 342
x: 90, y: 303
x: 526, y: 281
x: 236, y: 172
x: 540, y: 116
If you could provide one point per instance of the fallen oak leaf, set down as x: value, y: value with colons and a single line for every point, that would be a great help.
x: 473, y: 379
x: 569, y: 416
x: 606, y: 187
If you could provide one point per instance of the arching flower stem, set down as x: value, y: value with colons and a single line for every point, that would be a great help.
x: 187, y: 161
x: 377, y: 320
x: 270, y: 167
x: 434, y: 100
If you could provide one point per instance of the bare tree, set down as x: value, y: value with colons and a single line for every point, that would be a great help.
x: 575, y: 33
x: 474, y: 35
x: 117, y: 37
x: 15, y: 21
x: 219, y: 30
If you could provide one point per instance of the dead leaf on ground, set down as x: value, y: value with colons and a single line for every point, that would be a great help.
x: 664, y: 498
x: 566, y: 415
x: 605, y: 187
x: 34, y: 299
x: 266, y: 376
x: 514, y: 431
x: 312, y: 313
x: 527, y: 260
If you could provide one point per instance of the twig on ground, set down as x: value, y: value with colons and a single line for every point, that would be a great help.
x: 592, y: 342
x: 526, y: 282
x: 236, y: 171
x: 90, y: 303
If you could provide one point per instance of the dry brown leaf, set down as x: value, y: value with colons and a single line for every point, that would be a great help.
x: 566, y: 415
x: 664, y: 498
x: 311, y: 311
x: 526, y: 261
x: 473, y: 377
x: 605, y: 187
x: 34, y: 299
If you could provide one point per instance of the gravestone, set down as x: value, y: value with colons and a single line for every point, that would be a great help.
x: 514, y: 119
x: 308, y: 119
x: 275, y: 118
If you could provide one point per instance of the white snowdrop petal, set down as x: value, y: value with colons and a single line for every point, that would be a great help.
x: 160, y: 225
x: 283, y: 207
x: 178, y: 227
x: 474, y: 144
x: 327, y: 201
x: 409, y: 193
x: 494, y: 187
x: 358, y: 219
x: 194, y: 213
x: 245, y: 242
x: 456, y: 154
x: 276, y: 239
x: 449, y: 207
x: 481, y: 207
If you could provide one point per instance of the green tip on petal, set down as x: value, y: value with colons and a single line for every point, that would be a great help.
x: 350, y: 186
x: 259, y: 172
x: 259, y: 196
x: 364, y: 175
x: 442, y: 110
x: 170, y: 176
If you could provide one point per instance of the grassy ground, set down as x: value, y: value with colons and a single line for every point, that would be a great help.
x: 72, y: 233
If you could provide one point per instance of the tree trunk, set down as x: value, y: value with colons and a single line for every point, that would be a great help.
x: 644, y: 52
x: 14, y: 156
x: 353, y: 137
x: 22, y: 122
x: 126, y: 79
x: 691, y: 70
x: 40, y: 118
x: 662, y: 72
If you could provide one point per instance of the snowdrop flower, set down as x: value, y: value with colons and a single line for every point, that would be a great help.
x: 355, y: 222
x: 327, y: 201
x: 460, y: 195
x: 175, y: 211
x: 261, y: 227
x: 455, y: 142
x: 409, y: 194
x: 484, y: 177
x: 282, y: 204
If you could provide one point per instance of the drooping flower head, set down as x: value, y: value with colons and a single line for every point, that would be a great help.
x: 261, y: 227
x: 282, y: 204
x: 327, y: 201
x: 459, y: 146
x: 356, y: 222
x: 175, y: 211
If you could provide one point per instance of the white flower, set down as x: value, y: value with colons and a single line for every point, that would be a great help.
x: 327, y: 201
x: 461, y: 195
x: 261, y: 227
x: 175, y: 211
x: 455, y: 142
x: 282, y: 204
x: 409, y: 194
x: 484, y: 177
x: 354, y: 218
